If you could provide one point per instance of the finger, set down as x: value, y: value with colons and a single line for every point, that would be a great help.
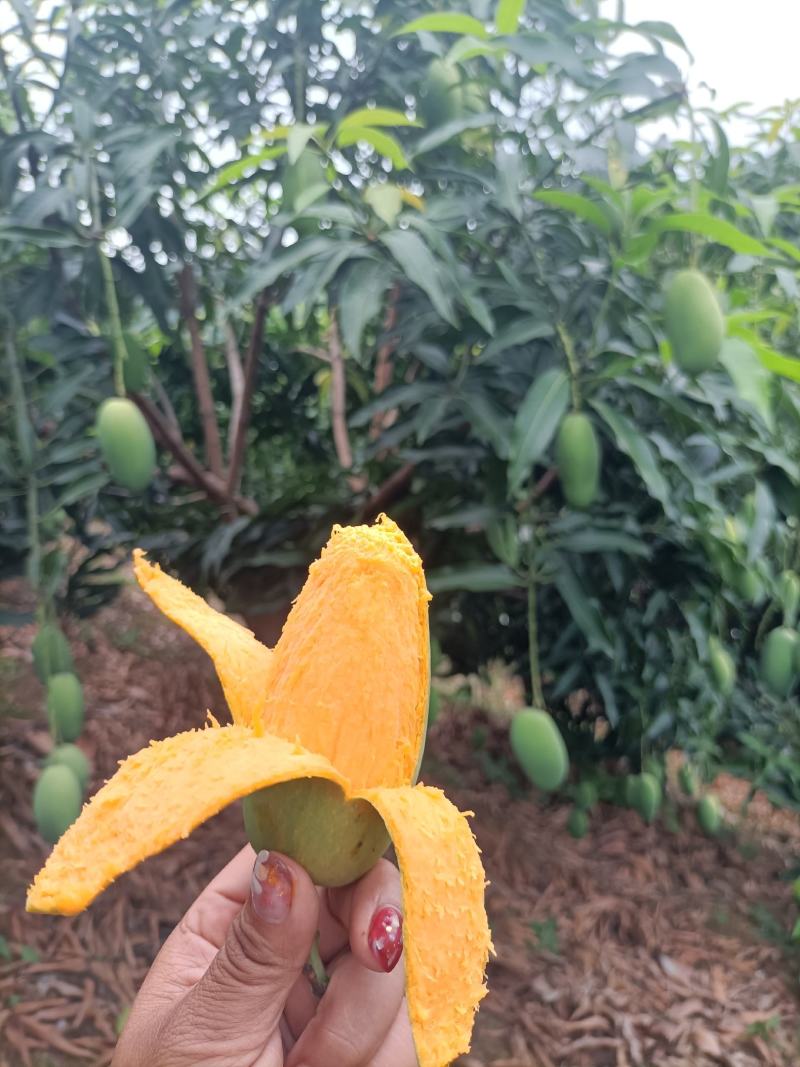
x: 245, y: 988
x: 353, y: 1019
x: 371, y: 912
x: 398, y: 1050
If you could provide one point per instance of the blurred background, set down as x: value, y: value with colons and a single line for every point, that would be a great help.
x: 526, y: 277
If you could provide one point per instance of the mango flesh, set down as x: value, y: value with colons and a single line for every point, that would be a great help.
x: 578, y: 460
x: 539, y: 747
x: 334, y: 839
x: 57, y: 801
x: 126, y: 443
x: 778, y: 660
x: 51, y: 652
x: 65, y: 706
x: 694, y: 322
x: 722, y: 667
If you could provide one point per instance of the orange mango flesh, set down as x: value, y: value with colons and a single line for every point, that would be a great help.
x: 241, y: 662
x: 350, y: 673
x: 369, y: 586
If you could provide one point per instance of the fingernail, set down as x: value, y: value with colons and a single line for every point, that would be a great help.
x: 271, y: 888
x: 386, y: 937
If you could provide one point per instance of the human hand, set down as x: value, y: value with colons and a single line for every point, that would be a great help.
x: 228, y: 987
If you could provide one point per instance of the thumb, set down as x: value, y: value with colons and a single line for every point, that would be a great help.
x: 243, y: 993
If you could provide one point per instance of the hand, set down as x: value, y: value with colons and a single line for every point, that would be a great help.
x: 228, y: 987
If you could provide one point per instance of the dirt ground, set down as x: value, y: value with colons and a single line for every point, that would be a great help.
x: 635, y: 947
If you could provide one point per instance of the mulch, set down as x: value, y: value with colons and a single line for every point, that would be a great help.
x: 637, y: 946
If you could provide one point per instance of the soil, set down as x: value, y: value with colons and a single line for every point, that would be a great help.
x: 636, y: 946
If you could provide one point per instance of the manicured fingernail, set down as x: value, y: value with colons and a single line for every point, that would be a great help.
x: 386, y: 937
x: 271, y: 888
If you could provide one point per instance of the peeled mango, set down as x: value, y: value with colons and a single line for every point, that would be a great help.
x: 281, y: 816
x: 709, y: 814
x: 126, y: 443
x: 778, y: 666
x: 722, y: 666
x: 442, y: 99
x: 51, y: 652
x: 578, y: 460
x: 694, y: 322
x: 68, y: 755
x: 57, y: 801
x: 539, y: 747
x: 65, y: 706
x: 578, y: 823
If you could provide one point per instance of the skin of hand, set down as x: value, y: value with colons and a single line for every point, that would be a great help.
x: 228, y: 987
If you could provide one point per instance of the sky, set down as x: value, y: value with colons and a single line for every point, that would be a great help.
x: 746, y: 51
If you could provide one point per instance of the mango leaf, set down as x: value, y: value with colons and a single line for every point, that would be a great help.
x: 418, y: 264
x: 786, y: 366
x: 487, y: 422
x: 377, y: 116
x: 260, y: 275
x: 298, y: 137
x: 520, y: 332
x: 718, y: 230
x: 444, y: 22
x: 578, y: 205
x: 238, y: 169
x: 385, y: 200
x: 636, y: 446
x: 535, y: 424
x: 751, y: 378
x: 442, y: 134
x: 360, y: 300
x: 508, y: 14
x: 583, y: 610
x: 382, y: 142
x: 472, y: 578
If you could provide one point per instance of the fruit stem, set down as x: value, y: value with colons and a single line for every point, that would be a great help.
x: 109, y: 289
x: 315, y: 970
x: 572, y: 362
x: 533, y: 645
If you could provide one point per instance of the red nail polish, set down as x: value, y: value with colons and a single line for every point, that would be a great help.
x: 386, y: 937
x: 271, y: 888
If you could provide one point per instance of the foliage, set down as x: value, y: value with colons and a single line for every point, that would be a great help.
x: 405, y: 322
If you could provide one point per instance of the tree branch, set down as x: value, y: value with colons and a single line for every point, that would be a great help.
x: 236, y: 376
x: 202, y: 380
x: 170, y: 439
x: 341, y: 437
x: 236, y: 455
x: 387, y: 492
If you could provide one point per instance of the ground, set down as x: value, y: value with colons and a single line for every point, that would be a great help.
x: 635, y: 947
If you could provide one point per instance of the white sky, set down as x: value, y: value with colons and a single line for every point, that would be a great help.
x: 745, y: 49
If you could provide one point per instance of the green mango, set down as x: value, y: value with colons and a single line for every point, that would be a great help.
x: 778, y: 665
x: 687, y: 780
x: 539, y: 747
x: 649, y: 796
x: 69, y: 755
x: 65, y: 706
x: 57, y: 801
x: 578, y: 823
x: 585, y: 796
x: 722, y: 667
x: 578, y: 460
x: 301, y: 818
x: 694, y: 322
x: 126, y: 443
x: 709, y: 814
x: 51, y: 652
x: 441, y: 99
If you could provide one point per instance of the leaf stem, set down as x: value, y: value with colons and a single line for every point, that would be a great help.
x: 572, y: 362
x: 315, y: 969
x: 533, y: 644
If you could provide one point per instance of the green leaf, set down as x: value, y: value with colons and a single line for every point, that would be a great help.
x: 597, y: 540
x: 763, y: 522
x: 260, y: 275
x: 377, y: 116
x: 420, y: 267
x: 40, y: 236
x: 299, y: 136
x: 488, y: 422
x: 583, y: 610
x: 751, y: 378
x: 508, y: 14
x: 442, y: 134
x: 382, y: 142
x: 386, y: 201
x: 718, y: 230
x: 451, y: 22
x: 472, y: 578
x: 237, y: 170
x: 636, y: 446
x: 519, y: 332
x: 360, y: 300
x: 537, y: 419
x: 786, y: 366
x: 577, y: 205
